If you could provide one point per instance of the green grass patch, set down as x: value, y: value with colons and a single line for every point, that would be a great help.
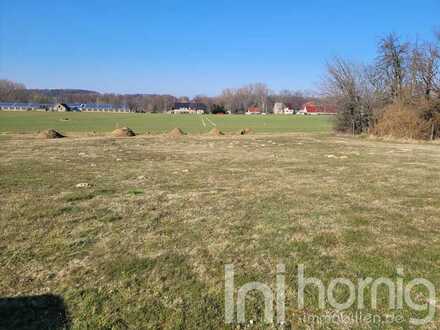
x: 32, y: 122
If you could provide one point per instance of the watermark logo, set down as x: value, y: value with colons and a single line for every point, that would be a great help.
x: 399, y: 295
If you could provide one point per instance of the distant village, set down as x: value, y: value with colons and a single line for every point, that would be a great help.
x: 251, y: 99
x: 309, y: 108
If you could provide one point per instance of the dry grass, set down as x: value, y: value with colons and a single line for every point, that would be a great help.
x: 145, y: 245
x: 402, y: 121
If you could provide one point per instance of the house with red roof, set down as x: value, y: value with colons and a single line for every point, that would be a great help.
x: 253, y: 111
x: 311, y: 108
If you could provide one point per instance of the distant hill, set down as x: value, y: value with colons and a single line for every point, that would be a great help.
x: 61, y: 92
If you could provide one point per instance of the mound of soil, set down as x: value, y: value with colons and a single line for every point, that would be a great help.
x: 50, y: 134
x: 216, y: 132
x: 176, y: 132
x: 245, y: 131
x: 123, y: 132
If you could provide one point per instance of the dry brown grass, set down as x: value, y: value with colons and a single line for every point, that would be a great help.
x: 145, y: 244
x: 402, y: 121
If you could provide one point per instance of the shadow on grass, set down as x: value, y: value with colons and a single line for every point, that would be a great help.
x: 34, y: 312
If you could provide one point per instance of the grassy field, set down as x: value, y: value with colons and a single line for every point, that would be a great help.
x: 30, y: 122
x: 145, y: 244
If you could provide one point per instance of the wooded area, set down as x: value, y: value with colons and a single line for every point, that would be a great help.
x: 235, y: 100
x: 396, y: 95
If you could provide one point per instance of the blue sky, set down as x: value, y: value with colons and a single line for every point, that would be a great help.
x: 195, y: 47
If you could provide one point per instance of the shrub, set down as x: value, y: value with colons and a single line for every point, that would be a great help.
x: 431, y: 112
x: 402, y: 121
x: 218, y: 109
x: 352, y: 117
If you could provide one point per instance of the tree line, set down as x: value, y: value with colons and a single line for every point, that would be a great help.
x: 398, y: 94
x: 235, y: 100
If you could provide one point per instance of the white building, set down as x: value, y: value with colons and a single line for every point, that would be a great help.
x: 280, y: 109
x: 188, y: 108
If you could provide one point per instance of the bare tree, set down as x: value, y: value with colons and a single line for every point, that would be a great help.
x: 428, y: 68
x: 228, y: 99
x: 346, y: 83
x: 293, y: 99
x: 11, y: 85
x: 341, y: 79
x: 392, y: 63
x: 209, y: 101
x: 261, y: 93
x: 238, y: 100
x: 12, y: 91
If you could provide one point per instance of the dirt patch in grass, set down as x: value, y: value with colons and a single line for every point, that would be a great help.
x: 216, y: 132
x: 123, y: 132
x: 176, y: 132
x: 245, y: 131
x: 50, y: 134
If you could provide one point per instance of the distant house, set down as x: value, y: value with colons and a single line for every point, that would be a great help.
x: 17, y: 106
x: 61, y: 107
x: 189, y: 108
x: 7, y: 106
x: 75, y: 107
x: 311, y: 108
x: 253, y: 111
x: 45, y: 107
x: 280, y: 109
x: 98, y: 107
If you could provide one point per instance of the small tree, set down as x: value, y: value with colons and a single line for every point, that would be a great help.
x: 218, y: 109
x: 345, y: 82
x: 392, y: 64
